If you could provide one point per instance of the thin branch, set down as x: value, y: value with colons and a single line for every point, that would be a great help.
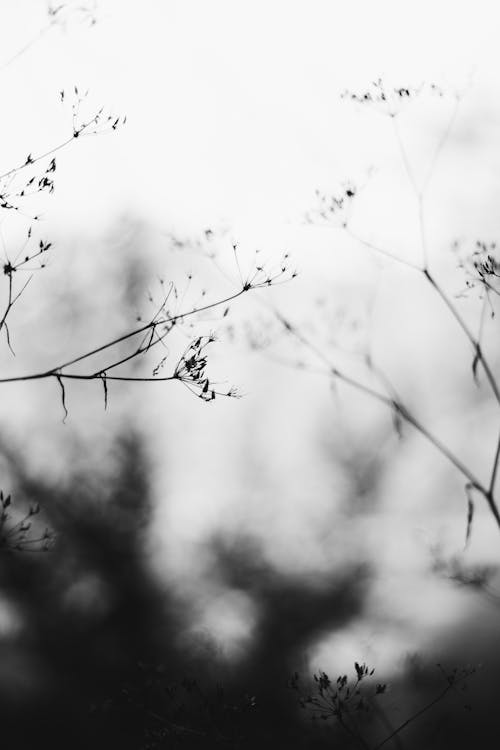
x: 171, y: 319
x: 384, y: 719
x: 356, y: 736
x: 63, y: 395
x: 482, y: 319
x: 34, y: 39
x: 494, y: 470
x: 398, y: 407
x: 381, y: 251
x: 11, y: 301
x: 79, y: 131
x: 36, y: 159
x: 423, y: 710
x: 9, y: 304
x: 419, y: 192
x: 404, y: 156
x: 190, y: 370
x: 442, y: 142
x: 478, y: 352
x: 479, y: 356
x: 423, y: 238
x: 147, y: 327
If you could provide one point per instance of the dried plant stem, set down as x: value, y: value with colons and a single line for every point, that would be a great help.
x: 381, y: 251
x: 152, y: 325
x: 11, y: 301
x: 404, y: 156
x: 423, y: 710
x: 479, y: 356
x: 431, y: 279
x: 419, y: 193
x: 397, y: 407
x: 40, y: 157
x: 384, y: 719
x: 442, y: 142
x: 423, y: 237
x: 350, y: 731
x: 34, y: 39
x: 495, y: 467
x: 476, y: 345
x: 190, y: 370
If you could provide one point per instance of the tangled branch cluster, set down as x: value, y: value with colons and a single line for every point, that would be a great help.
x: 346, y: 701
x: 483, y: 268
x: 17, y: 530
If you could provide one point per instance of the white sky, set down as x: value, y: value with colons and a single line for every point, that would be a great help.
x: 233, y: 108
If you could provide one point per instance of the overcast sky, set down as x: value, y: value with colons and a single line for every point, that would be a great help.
x: 233, y: 107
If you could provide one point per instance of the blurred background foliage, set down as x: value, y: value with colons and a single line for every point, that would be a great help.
x: 199, y: 555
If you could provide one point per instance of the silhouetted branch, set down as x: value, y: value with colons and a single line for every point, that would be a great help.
x: 337, y: 208
x: 190, y: 369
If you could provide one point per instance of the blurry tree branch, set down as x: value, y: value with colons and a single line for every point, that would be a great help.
x: 337, y: 209
x: 17, y: 530
x: 57, y: 15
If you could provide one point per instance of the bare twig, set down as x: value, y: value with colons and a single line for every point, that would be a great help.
x: 397, y: 407
x: 415, y: 716
x: 190, y: 370
x: 475, y: 343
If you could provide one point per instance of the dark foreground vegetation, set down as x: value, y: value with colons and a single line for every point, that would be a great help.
x: 97, y: 658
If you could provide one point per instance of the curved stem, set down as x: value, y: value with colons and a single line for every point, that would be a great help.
x: 478, y: 352
x: 396, y: 405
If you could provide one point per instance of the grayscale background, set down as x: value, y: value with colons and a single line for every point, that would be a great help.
x: 295, y: 518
